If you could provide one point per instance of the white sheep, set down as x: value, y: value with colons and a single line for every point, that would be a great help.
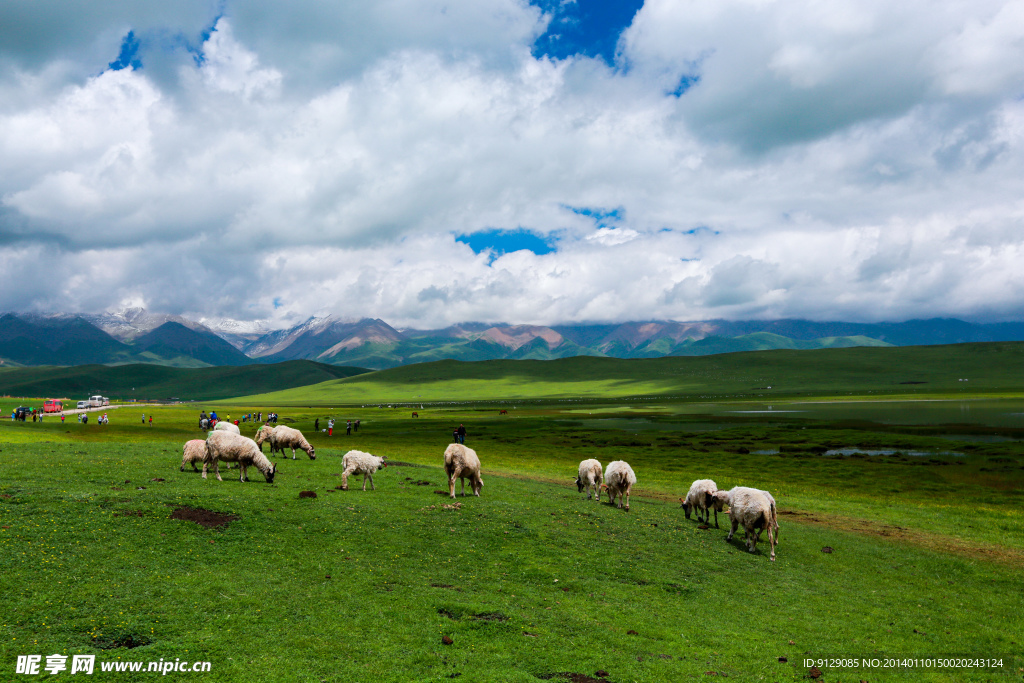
x: 618, y: 481
x: 227, y: 427
x: 192, y: 452
x: 754, y: 509
x: 263, y: 434
x: 701, y: 498
x: 286, y: 437
x: 590, y: 475
x: 228, y: 447
x: 358, y: 462
x: 462, y: 463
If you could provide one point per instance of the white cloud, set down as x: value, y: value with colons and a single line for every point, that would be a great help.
x: 856, y: 160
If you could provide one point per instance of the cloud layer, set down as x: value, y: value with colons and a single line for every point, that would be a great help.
x: 738, y: 159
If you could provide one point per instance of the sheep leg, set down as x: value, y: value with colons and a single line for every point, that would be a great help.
x: 735, y: 524
x: 242, y: 467
x: 716, y: 518
x: 204, y: 469
x: 372, y: 487
x: 451, y: 481
x: 628, y: 489
x: 462, y: 480
x: 216, y: 469
x: 293, y: 452
x: 344, y: 479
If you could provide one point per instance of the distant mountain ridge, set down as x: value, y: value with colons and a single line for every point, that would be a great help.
x: 135, y: 335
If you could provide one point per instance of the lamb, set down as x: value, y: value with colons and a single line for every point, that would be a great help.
x: 461, y: 463
x: 224, y: 445
x: 754, y: 509
x: 227, y: 427
x: 358, y: 462
x: 618, y: 481
x: 286, y: 437
x: 192, y: 452
x: 701, y: 497
x: 264, y: 435
x: 590, y: 475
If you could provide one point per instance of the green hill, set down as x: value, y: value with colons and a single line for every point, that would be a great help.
x: 996, y: 367
x: 144, y: 381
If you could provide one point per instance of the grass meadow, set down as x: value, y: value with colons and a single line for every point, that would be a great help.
x: 528, y: 582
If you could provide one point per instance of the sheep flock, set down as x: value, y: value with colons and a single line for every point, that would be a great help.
x: 753, y: 509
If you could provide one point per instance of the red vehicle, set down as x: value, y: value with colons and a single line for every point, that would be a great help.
x: 52, y: 405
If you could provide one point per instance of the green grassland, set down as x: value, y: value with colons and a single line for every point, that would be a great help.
x: 990, y: 368
x: 529, y: 580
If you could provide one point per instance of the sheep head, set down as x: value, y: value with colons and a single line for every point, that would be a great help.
x: 719, y: 499
x: 687, y: 507
x: 273, y: 471
x: 579, y: 484
x: 312, y: 453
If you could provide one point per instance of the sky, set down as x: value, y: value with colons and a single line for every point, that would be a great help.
x: 430, y: 162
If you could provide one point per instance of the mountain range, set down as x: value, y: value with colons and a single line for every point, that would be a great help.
x: 135, y: 335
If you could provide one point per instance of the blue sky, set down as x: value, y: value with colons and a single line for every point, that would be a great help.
x: 430, y: 162
x: 584, y: 27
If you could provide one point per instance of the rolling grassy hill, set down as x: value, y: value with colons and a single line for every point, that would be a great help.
x: 995, y: 367
x: 144, y: 381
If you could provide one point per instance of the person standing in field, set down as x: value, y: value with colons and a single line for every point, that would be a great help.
x: 462, y: 433
x: 348, y: 428
x: 316, y: 425
x: 330, y: 427
x: 356, y: 426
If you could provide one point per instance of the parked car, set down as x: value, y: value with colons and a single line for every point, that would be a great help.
x: 82, y: 404
x: 21, y: 412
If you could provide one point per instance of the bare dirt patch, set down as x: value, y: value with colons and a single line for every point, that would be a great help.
x: 125, y: 640
x: 203, y: 517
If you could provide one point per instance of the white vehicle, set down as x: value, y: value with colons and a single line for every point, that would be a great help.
x: 82, y: 404
x: 106, y: 401
x: 96, y: 401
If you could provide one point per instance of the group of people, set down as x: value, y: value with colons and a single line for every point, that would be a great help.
x: 210, y: 421
x: 459, y: 434
x: 349, y: 426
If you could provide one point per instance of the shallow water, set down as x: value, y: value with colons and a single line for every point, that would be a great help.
x: 985, y: 412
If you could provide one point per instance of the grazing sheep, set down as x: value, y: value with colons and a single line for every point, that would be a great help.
x: 227, y: 427
x: 229, y: 447
x: 358, y: 462
x: 618, y: 481
x: 192, y: 452
x: 461, y: 463
x: 701, y: 497
x: 263, y: 434
x: 590, y: 475
x: 754, y: 509
x: 286, y: 437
